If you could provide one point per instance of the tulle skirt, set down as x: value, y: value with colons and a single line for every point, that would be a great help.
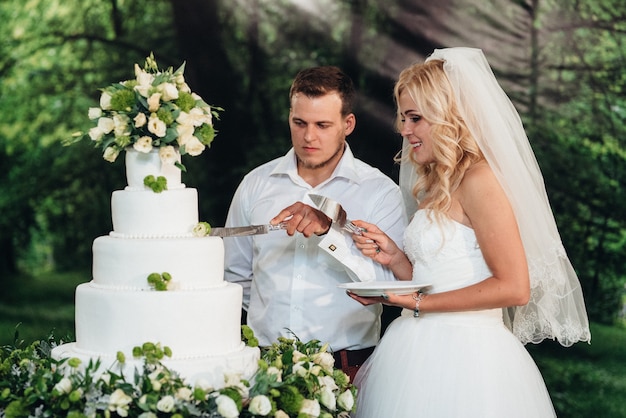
x: 450, y: 365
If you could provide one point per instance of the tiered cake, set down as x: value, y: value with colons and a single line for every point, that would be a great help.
x: 199, y: 315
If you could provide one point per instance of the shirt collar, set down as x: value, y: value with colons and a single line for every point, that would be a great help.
x: 345, y: 169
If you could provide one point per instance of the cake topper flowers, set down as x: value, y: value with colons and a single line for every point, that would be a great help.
x: 156, y: 109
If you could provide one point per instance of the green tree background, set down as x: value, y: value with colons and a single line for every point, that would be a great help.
x: 560, y: 61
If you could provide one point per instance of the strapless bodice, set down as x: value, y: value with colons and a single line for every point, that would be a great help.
x: 445, y: 254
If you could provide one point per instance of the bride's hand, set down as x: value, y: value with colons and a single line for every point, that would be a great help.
x: 374, y: 243
x: 391, y: 299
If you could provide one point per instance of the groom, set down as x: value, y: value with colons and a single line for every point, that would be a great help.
x: 291, y: 279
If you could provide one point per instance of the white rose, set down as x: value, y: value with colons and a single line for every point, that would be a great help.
x: 298, y: 356
x: 143, y: 144
x: 121, y: 125
x: 110, y: 154
x: 106, y: 378
x: 195, y: 117
x: 105, y: 100
x: 184, y: 87
x: 328, y: 381
x: 184, y: 394
x: 226, y: 407
x: 184, y: 130
x: 310, y: 407
x: 144, y: 81
x: 316, y: 370
x: 193, y: 146
x: 64, y: 386
x: 140, y: 120
x: 275, y: 371
x: 147, y: 415
x: 232, y: 379
x: 143, y: 90
x: 119, y: 401
x: 157, y: 126
x: 95, y: 133
x: 260, y: 405
x: 244, y: 390
x: 106, y: 125
x: 156, y: 385
x: 325, y: 359
x: 165, y: 404
x: 299, y: 370
x: 169, y: 91
x: 168, y: 155
x: 281, y: 414
x: 94, y: 113
x: 346, y: 400
x: 154, y: 102
x: 328, y: 398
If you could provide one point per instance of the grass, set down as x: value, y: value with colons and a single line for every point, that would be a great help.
x: 585, y: 380
x: 35, y: 307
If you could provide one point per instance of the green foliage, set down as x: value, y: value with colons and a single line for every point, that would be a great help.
x: 579, y: 138
x: 291, y: 376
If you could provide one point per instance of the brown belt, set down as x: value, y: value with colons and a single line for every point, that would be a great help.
x: 351, y: 358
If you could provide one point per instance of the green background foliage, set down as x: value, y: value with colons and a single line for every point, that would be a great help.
x: 561, y: 62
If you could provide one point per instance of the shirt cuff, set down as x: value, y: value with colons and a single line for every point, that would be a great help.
x: 339, y: 246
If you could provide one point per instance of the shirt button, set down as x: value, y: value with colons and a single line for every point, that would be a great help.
x: 301, y: 245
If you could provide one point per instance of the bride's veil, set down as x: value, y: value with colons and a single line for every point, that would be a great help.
x: 556, y: 308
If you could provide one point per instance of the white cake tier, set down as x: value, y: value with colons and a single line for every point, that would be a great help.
x: 145, y: 214
x: 193, y: 263
x: 193, y: 324
x: 208, y: 370
x: 139, y: 165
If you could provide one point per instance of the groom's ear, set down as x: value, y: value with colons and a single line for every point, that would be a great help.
x: 350, y: 123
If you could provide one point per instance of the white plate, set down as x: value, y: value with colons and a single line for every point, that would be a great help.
x: 379, y: 288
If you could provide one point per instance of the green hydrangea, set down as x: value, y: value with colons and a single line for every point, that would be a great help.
x: 185, y: 101
x: 123, y: 100
x: 206, y: 134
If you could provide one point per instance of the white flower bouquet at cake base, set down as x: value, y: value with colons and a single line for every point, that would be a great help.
x: 156, y: 109
x: 294, y: 379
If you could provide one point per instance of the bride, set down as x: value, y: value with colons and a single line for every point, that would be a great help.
x: 484, y: 238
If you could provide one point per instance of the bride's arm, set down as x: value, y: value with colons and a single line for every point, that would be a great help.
x: 487, y: 210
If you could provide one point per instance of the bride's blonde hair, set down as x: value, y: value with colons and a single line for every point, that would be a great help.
x: 454, y: 148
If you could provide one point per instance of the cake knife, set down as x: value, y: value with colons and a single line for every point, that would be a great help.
x: 242, y: 231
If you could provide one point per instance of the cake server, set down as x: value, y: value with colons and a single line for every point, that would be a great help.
x: 242, y: 231
x: 333, y: 210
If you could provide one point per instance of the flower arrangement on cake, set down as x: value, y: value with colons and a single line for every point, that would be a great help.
x: 294, y: 379
x: 156, y: 109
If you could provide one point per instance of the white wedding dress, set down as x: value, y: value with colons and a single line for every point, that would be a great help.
x: 449, y: 365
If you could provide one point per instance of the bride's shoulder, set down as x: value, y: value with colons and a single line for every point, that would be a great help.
x: 478, y: 172
x: 479, y: 179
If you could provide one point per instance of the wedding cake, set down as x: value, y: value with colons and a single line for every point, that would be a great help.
x: 199, y: 314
